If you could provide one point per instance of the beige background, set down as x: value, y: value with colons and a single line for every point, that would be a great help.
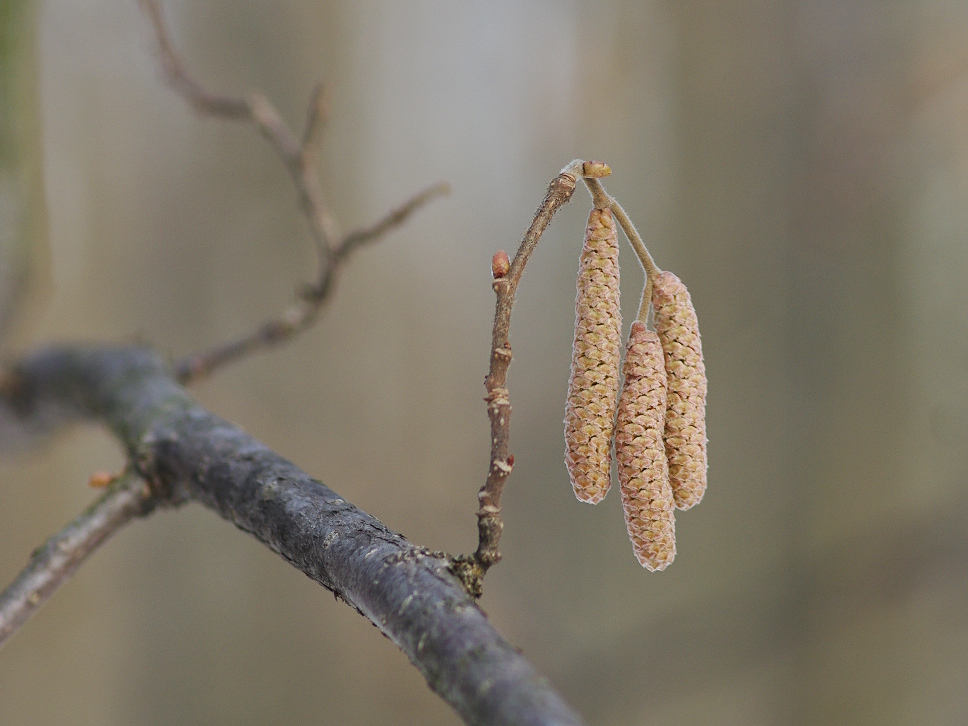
x: 803, y: 167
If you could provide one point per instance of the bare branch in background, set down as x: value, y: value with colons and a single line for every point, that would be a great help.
x: 303, y: 313
x: 316, y: 116
x: 299, y: 156
x: 204, y: 102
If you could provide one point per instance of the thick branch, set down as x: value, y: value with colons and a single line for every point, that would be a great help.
x: 187, y: 453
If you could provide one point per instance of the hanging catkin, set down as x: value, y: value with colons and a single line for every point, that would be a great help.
x: 593, y: 388
x: 685, y: 422
x: 643, y: 471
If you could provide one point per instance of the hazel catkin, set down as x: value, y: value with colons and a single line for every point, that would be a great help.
x: 643, y: 472
x: 593, y: 387
x: 685, y: 421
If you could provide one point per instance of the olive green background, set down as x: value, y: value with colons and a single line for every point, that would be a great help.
x: 802, y: 166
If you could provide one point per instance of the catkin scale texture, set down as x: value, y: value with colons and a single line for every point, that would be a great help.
x: 593, y: 387
x: 685, y: 423
x: 643, y: 472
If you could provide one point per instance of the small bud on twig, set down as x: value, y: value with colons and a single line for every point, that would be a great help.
x: 595, y: 169
x: 500, y: 264
x: 101, y: 479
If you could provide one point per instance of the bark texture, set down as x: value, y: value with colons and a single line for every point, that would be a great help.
x: 188, y: 453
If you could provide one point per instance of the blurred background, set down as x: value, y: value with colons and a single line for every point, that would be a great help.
x: 801, y: 165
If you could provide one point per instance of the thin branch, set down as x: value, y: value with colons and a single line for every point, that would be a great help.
x: 471, y: 569
x: 316, y: 117
x: 299, y: 156
x: 210, y: 104
x: 304, y: 312
x: 651, y: 270
x: 55, y: 562
x: 188, y: 454
x: 352, y: 241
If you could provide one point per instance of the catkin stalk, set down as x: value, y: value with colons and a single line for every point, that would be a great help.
x: 593, y: 388
x: 685, y: 422
x: 643, y: 471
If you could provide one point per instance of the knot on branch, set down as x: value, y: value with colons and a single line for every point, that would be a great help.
x: 470, y: 573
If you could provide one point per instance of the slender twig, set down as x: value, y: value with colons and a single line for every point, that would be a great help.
x: 210, y: 104
x: 472, y: 568
x: 651, y: 270
x: 53, y: 564
x: 299, y: 157
x: 316, y: 117
x: 354, y: 240
x: 304, y: 312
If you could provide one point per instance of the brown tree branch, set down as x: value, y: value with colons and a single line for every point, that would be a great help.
x: 209, y: 104
x: 56, y: 561
x: 304, y: 312
x: 361, y: 237
x: 316, y: 117
x: 472, y: 568
x: 299, y: 156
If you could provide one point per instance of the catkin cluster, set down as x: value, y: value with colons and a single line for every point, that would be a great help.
x: 659, y: 419
x: 593, y: 387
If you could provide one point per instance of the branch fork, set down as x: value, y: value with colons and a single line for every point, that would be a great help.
x: 299, y: 157
x: 472, y: 568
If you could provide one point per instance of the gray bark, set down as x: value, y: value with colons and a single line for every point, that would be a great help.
x: 188, y: 453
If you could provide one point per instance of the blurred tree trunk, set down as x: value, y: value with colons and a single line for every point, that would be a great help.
x: 23, y: 234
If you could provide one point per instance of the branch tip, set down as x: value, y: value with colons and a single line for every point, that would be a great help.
x: 316, y: 117
x: 595, y: 169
